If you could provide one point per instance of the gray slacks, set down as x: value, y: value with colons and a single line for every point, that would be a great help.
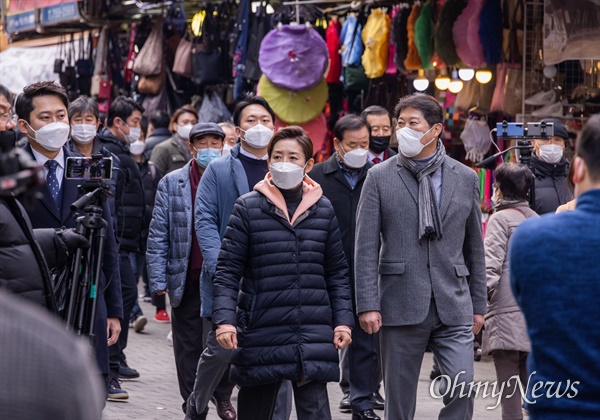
x: 508, y: 364
x: 213, y: 363
x: 402, y: 350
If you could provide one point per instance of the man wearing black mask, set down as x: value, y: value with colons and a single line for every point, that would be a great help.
x: 380, y: 121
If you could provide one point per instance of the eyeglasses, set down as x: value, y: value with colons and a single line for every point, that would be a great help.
x: 5, y: 118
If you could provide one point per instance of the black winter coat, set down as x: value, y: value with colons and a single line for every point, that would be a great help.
x: 150, y: 178
x: 129, y: 194
x: 293, y: 292
x: 23, y: 260
x: 551, y: 188
x: 344, y: 199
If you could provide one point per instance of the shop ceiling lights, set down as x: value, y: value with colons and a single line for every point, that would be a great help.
x: 421, y: 83
x: 466, y: 74
x: 442, y: 82
x: 483, y: 76
x: 456, y: 84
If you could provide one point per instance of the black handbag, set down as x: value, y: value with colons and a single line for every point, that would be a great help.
x: 208, y: 62
x: 84, y: 66
x: 58, y: 61
x: 68, y: 78
x: 207, y: 67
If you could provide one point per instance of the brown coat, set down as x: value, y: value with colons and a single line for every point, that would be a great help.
x: 170, y: 155
x: 505, y: 327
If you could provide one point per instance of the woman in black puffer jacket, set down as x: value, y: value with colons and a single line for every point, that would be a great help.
x: 292, y: 310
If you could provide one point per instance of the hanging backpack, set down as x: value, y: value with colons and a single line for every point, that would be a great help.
x: 376, y: 36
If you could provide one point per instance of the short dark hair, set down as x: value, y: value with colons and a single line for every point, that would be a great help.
x: 514, y: 180
x: 375, y: 110
x: 587, y: 146
x: 350, y: 122
x: 295, y: 133
x: 6, y: 93
x: 251, y: 99
x: 82, y: 105
x: 186, y: 109
x: 24, y: 105
x: 431, y: 109
x: 159, y: 119
x: 122, y: 107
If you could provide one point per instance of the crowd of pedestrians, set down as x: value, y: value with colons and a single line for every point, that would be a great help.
x: 284, y: 274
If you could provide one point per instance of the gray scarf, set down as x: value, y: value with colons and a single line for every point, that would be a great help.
x: 430, y: 224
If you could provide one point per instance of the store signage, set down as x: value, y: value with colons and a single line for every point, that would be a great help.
x: 18, y: 22
x: 60, y: 13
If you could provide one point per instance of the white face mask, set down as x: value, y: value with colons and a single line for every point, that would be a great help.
x: 83, y: 133
x: 287, y: 175
x: 137, y: 147
x: 226, y: 149
x: 184, y: 131
x: 356, y: 158
x: 258, y: 136
x: 52, y: 136
x: 409, y: 141
x: 550, y: 153
x: 134, y: 134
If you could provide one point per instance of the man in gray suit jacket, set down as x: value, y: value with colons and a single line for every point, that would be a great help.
x: 419, y: 261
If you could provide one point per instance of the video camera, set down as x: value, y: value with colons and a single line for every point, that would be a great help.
x: 523, y: 133
x: 20, y: 175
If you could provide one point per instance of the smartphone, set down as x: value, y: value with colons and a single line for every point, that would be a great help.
x: 88, y: 168
x: 534, y: 129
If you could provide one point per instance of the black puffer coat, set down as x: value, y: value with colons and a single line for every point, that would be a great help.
x: 551, y: 188
x: 23, y: 261
x: 129, y: 197
x: 294, y: 292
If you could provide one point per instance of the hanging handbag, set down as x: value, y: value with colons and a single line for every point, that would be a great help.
x: 58, y: 61
x: 149, y: 61
x: 68, y: 78
x: 183, y: 57
x: 208, y: 65
x: 84, y: 65
x: 151, y: 85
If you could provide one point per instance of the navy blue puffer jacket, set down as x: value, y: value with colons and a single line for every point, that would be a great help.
x: 293, y: 293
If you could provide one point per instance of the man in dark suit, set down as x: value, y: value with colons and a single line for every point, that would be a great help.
x: 419, y: 261
x: 342, y: 185
x: 43, y: 118
x: 380, y: 123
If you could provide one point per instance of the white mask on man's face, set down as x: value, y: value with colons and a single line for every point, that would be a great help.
x: 355, y: 158
x: 550, y: 153
x: 258, y: 136
x: 52, y: 136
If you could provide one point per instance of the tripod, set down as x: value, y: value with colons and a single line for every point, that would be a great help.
x: 525, y: 148
x: 86, y: 265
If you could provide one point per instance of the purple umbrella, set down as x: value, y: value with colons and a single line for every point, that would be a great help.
x: 293, y: 57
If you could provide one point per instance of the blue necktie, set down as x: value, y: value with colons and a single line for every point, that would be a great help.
x: 52, y: 180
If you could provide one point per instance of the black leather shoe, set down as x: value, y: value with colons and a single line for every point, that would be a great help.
x: 379, y: 402
x: 225, y: 409
x: 365, y: 415
x: 125, y: 372
x: 345, y: 403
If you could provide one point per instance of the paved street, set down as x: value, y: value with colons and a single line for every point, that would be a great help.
x: 155, y: 395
